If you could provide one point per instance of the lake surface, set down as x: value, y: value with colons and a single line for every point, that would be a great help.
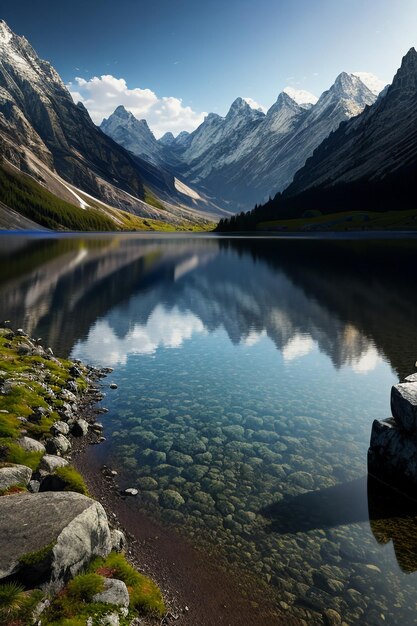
x: 249, y: 372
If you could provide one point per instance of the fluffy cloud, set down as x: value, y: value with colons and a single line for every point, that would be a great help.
x: 163, y: 329
x: 101, y: 95
x: 255, y: 105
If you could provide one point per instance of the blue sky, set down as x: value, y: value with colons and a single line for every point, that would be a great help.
x: 208, y: 53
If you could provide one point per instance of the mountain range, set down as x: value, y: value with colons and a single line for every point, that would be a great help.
x: 351, y: 148
x: 368, y: 165
x: 246, y: 156
x: 43, y: 133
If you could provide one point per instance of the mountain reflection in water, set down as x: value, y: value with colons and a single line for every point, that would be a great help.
x: 349, y: 299
x: 249, y: 372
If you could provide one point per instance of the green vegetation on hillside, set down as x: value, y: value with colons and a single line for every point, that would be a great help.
x: 29, y: 198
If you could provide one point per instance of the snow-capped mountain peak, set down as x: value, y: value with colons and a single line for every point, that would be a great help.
x: 122, y: 113
x: 5, y: 33
x: 300, y: 96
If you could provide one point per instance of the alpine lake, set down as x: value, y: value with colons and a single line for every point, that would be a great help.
x: 248, y: 372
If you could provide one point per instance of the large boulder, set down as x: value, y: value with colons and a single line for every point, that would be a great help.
x: 392, y: 454
x: 31, y: 445
x: 58, y: 445
x: 114, y: 592
x: 14, y: 475
x: 47, y: 538
x: 51, y: 462
x: 79, y: 428
x: 404, y: 405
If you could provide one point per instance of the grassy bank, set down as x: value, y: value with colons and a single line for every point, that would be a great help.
x: 36, y: 389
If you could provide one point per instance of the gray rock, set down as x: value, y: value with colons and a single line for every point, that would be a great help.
x: 112, y: 619
x: 51, y: 462
x: 392, y: 454
x: 118, y: 540
x: 31, y: 445
x: 75, y: 525
x: 412, y: 378
x: 60, y: 428
x: 34, y: 486
x: 404, y: 405
x: 79, y: 428
x: 131, y: 491
x: 58, y: 445
x: 115, y: 592
x: 14, y: 475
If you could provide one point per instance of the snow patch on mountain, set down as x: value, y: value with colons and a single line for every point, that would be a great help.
x: 187, y: 191
x: 301, y: 96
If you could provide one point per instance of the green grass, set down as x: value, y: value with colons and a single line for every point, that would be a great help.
x: 32, y: 559
x: 26, y: 196
x: 144, y: 594
x: 16, y: 605
x: 347, y: 220
x: 73, y: 479
x: 84, y: 586
x: 12, y: 490
x: 13, y: 453
x: 150, y: 199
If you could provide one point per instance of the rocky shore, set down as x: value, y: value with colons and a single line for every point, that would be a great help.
x: 62, y: 562
x: 392, y: 455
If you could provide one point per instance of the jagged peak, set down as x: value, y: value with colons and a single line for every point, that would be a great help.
x: 406, y: 77
x: 212, y: 116
x: 241, y: 109
x: 167, y: 139
x: 284, y: 101
x: 6, y: 34
x: 238, y: 106
x: 122, y: 112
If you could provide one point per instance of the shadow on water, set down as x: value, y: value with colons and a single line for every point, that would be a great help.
x: 392, y: 516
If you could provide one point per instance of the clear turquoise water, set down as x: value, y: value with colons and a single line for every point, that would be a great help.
x: 248, y: 377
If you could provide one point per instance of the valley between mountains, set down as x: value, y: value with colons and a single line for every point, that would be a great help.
x: 351, y: 153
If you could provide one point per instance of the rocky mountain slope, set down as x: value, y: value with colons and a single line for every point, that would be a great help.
x: 379, y: 143
x: 246, y: 156
x: 43, y: 133
x: 368, y: 165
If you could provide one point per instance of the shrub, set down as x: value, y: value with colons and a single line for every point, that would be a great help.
x: 73, y: 479
x: 84, y: 586
x: 144, y: 594
x: 12, y: 597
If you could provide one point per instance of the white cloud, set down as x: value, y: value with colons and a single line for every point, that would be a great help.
x: 101, y: 95
x: 298, y: 346
x: 255, y: 105
x: 367, y: 361
x: 301, y: 96
x: 167, y: 329
x: 375, y: 84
